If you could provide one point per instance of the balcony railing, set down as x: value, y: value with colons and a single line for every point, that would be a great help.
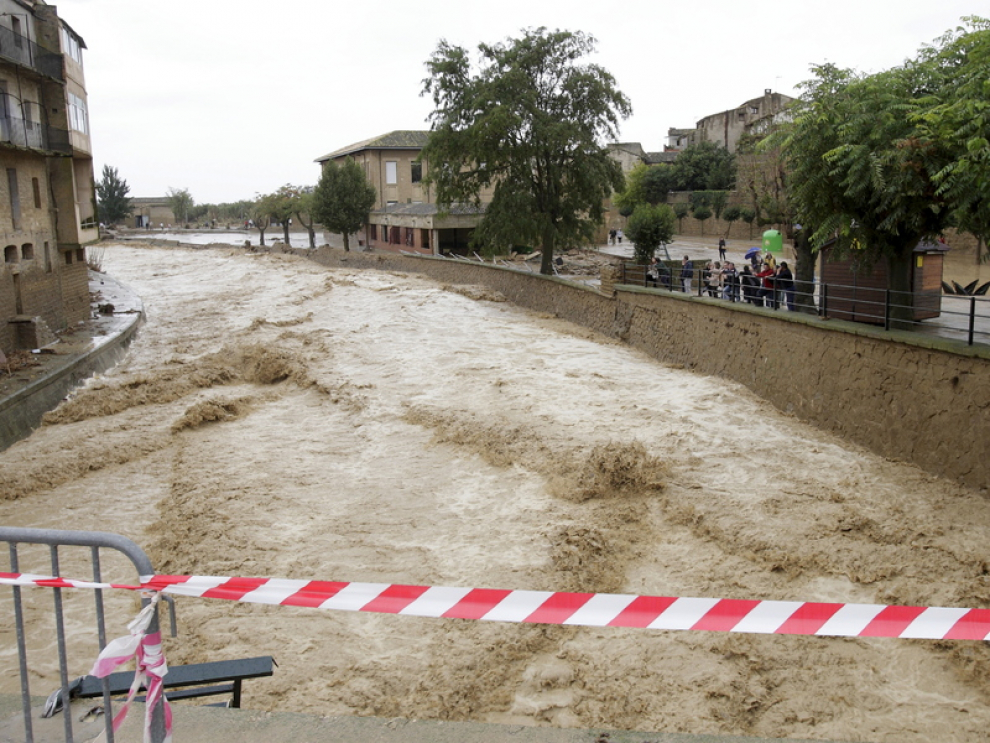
x: 34, y: 135
x: 21, y: 50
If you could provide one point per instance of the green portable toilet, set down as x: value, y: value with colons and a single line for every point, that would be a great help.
x: 773, y: 241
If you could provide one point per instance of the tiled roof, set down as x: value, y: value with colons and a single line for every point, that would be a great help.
x: 402, y: 139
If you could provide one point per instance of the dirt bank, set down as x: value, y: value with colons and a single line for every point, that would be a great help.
x: 276, y: 418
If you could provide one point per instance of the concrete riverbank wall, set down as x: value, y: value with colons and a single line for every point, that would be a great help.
x: 902, y: 395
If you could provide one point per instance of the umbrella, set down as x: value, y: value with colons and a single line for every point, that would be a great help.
x: 752, y: 251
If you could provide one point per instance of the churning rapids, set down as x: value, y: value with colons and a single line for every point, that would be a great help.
x: 276, y: 418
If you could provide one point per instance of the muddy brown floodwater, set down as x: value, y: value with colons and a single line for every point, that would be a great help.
x: 277, y: 418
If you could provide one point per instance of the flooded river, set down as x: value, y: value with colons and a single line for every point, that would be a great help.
x: 276, y: 418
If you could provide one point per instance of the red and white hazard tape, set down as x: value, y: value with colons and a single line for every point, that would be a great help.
x: 575, y: 609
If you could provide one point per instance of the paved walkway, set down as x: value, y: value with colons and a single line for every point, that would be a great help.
x: 201, y: 724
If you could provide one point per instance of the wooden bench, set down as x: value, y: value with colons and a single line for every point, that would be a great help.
x: 204, y: 680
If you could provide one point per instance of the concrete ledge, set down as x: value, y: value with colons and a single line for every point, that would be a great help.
x: 201, y: 724
x: 95, y: 347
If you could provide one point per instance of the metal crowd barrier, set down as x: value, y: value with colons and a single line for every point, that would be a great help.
x: 54, y: 539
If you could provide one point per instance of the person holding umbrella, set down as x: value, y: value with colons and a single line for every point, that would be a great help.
x: 753, y: 256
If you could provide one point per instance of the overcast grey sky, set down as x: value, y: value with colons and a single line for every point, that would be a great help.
x: 230, y: 98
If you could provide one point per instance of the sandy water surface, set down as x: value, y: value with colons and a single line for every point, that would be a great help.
x: 276, y: 418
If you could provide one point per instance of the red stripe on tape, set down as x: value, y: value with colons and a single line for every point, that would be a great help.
x: 725, y: 615
x: 558, y: 608
x: 642, y: 611
x: 476, y: 604
x: 808, y: 619
x: 974, y: 625
x: 161, y: 582
x: 394, y: 599
x: 892, y: 621
x: 314, y: 593
x: 234, y: 589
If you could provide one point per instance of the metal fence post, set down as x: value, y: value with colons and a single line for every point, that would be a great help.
x: 55, y: 538
x: 972, y: 318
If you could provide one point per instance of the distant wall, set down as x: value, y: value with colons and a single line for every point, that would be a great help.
x: 919, y: 399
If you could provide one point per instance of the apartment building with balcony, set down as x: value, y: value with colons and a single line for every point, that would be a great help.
x: 405, y: 216
x: 47, y: 192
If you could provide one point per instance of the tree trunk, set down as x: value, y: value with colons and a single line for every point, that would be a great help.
x: 804, y: 274
x: 347, y: 243
x: 285, y: 231
x: 309, y: 229
x: 261, y: 231
x: 899, y: 283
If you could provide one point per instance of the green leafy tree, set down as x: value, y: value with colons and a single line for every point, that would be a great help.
x: 531, y: 124
x: 705, y: 166
x: 953, y: 123
x: 632, y: 195
x: 858, y: 171
x: 658, y: 182
x: 649, y: 227
x: 111, y: 194
x: 284, y: 204
x: 681, y: 210
x: 748, y: 215
x: 731, y: 215
x: 261, y: 214
x: 304, y: 213
x: 343, y: 198
x: 180, y: 201
x: 701, y: 213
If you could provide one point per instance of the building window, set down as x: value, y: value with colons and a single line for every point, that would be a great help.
x: 27, y: 252
x: 15, y: 198
x: 373, y: 232
x: 416, y: 172
x: 36, y: 187
x: 80, y: 255
x: 77, y: 114
x: 391, y: 172
x: 10, y: 254
x: 68, y: 257
x: 28, y: 119
x: 15, y: 25
x: 48, y: 258
x: 71, y: 46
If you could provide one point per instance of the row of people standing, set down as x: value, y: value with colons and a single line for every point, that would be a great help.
x: 763, y: 283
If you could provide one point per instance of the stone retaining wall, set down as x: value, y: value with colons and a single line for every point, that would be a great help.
x: 915, y: 398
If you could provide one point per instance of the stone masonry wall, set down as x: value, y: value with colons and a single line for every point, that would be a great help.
x: 921, y: 400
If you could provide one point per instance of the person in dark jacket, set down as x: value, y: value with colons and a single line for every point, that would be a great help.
x: 749, y: 285
x: 785, y: 284
x: 687, y: 273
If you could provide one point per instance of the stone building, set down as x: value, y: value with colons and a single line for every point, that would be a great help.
x: 727, y: 127
x: 151, y: 213
x: 405, y: 216
x: 47, y: 192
